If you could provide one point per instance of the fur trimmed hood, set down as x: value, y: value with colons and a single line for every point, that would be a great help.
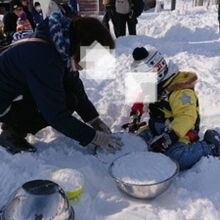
x: 181, y: 80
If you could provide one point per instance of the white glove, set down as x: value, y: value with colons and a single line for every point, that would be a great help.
x: 107, y: 141
x: 99, y: 125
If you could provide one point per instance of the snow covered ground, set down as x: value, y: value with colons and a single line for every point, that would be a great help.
x: 191, y: 39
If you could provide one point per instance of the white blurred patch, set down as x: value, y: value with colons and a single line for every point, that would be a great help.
x: 140, y: 87
x: 98, y: 61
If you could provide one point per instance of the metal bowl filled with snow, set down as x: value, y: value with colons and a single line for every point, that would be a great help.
x: 143, y: 175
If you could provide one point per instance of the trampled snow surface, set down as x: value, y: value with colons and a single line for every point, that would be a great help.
x: 189, y: 38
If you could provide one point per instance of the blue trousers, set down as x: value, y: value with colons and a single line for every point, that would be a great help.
x: 185, y: 154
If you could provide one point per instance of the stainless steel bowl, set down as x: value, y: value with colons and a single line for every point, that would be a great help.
x: 144, y: 191
x: 38, y: 200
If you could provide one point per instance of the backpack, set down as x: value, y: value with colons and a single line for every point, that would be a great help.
x: 138, y: 7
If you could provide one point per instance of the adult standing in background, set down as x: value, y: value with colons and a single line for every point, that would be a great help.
x: 125, y: 12
x: 109, y: 15
x: 125, y: 15
x: 37, y: 13
x: 109, y: 11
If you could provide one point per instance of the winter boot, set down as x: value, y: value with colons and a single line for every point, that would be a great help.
x: 212, y: 137
x: 13, y: 141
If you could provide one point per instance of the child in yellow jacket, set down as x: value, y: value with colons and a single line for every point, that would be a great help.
x: 174, y: 118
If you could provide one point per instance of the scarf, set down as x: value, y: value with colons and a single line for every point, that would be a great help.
x: 59, y: 33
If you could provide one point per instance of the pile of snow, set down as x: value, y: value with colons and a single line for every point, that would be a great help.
x: 191, y: 40
x: 150, y: 168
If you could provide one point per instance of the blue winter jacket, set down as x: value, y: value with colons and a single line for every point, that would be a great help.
x: 36, y: 68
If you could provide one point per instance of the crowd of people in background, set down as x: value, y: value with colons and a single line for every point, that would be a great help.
x: 19, y: 22
x: 122, y: 13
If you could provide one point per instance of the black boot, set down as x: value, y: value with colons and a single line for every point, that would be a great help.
x: 14, y: 141
x: 212, y: 137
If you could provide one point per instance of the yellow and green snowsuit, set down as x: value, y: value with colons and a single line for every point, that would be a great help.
x: 177, y: 109
x: 177, y: 106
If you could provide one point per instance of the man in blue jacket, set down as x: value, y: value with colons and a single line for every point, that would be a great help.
x: 39, y: 87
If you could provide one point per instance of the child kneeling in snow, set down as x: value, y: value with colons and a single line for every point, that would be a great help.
x: 174, y: 118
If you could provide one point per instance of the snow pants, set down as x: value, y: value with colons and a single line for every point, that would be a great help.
x: 185, y: 154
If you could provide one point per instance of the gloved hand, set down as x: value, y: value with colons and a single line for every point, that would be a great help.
x: 161, y: 143
x: 99, y: 125
x: 107, y: 142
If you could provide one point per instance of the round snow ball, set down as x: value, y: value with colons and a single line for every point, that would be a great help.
x: 68, y: 179
x: 141, y: 168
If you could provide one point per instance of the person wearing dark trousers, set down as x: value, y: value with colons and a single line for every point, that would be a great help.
x: 44, y: 88
x: 109, y: 10
x: 122, y: 20
x: 124, y: 13
x: 109, y: 14
x: 107, y: 18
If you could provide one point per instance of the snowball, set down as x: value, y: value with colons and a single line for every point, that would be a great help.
x: 68, y: 179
